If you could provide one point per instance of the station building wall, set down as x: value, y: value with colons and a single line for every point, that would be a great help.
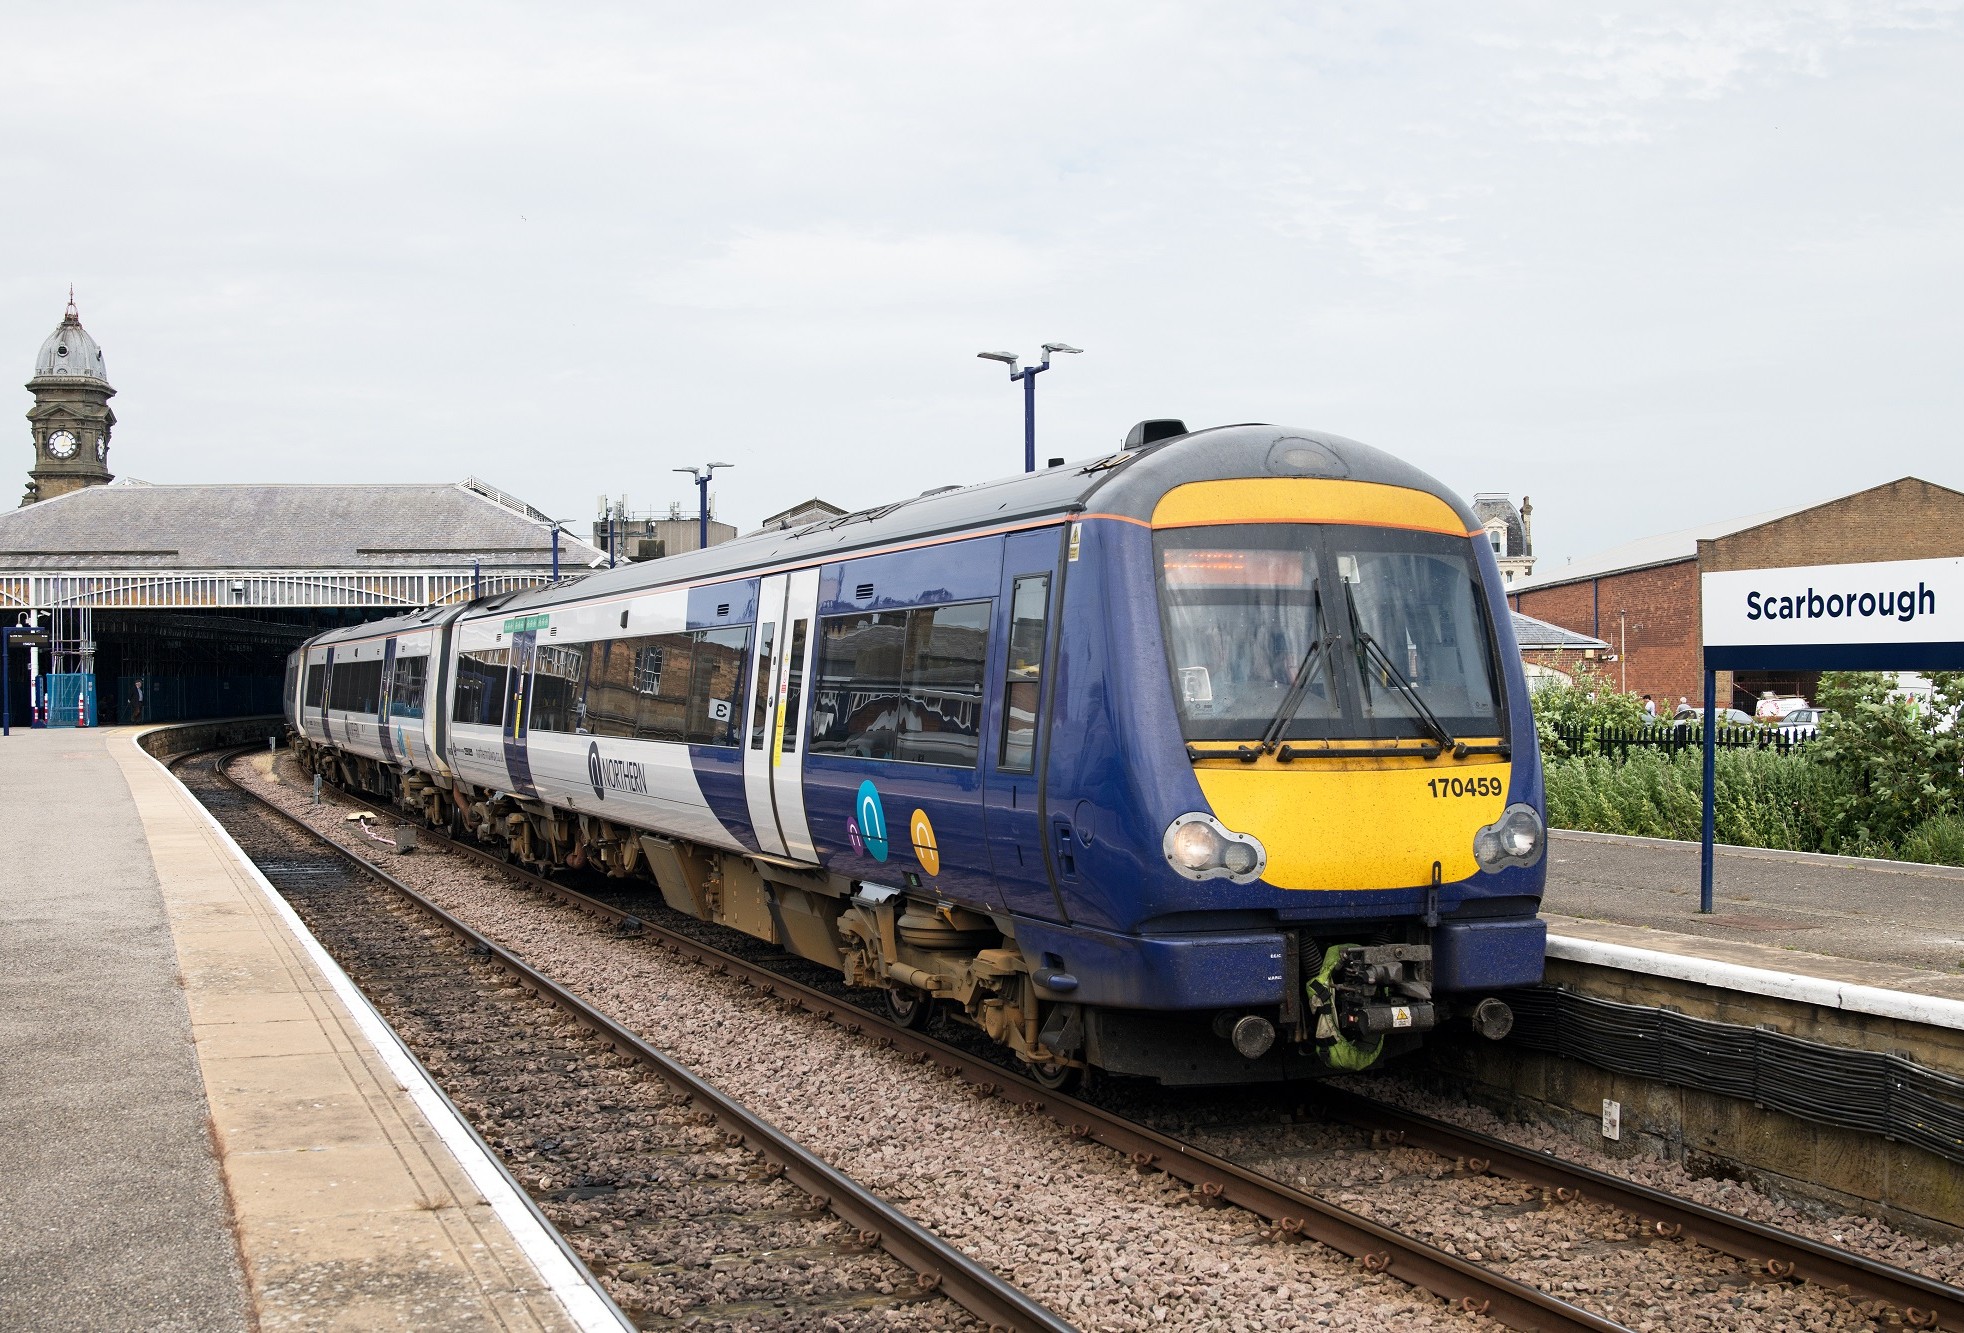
x: 1657, y: 642
x: 1908, y: 519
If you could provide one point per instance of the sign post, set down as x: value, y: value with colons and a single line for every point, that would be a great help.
x: 1890, y: 615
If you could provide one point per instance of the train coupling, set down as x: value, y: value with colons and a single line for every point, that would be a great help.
x: 1365, y: 992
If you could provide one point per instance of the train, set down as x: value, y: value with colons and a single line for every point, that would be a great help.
x: 1207, y: 760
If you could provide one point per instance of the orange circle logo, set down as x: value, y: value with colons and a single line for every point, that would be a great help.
x: 922, y: 832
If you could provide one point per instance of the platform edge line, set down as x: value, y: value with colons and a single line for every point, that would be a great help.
x: 1876, y: 1001
x: 589, y: 1308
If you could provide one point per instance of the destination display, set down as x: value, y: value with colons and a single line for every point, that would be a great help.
x: 1837, y: 616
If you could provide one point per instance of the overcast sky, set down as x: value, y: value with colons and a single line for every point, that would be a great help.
x: 1651, y: 266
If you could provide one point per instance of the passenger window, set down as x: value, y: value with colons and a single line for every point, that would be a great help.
x: 857, y: 695
x: 558, y: 688
x: 716, y: 685
x: 480, y: 698
x: 406, y: 691
x: 902, y: 685
x: 315, y: 671
x: 1029, y: 605
x: 685, y: 688
x: 356, y: 687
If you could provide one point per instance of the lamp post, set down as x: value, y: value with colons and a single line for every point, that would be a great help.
x: 1028, y: 375
x: 702, y: 475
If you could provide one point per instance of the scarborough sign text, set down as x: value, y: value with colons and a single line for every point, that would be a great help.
x: 1889, y: 602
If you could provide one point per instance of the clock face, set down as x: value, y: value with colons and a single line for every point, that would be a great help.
x: 62, y: 444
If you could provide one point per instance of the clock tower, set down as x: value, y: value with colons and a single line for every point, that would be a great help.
x: 70, y: 419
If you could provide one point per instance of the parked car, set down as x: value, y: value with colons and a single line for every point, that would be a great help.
x: 1775, y: 707
x: 1803, y: 721
x: 1727, y: 717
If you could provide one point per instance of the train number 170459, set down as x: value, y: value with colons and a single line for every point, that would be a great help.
x: 1444, y: 787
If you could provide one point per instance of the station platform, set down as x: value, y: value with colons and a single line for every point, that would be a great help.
x: 1853, y: 924
x: 203, y: 1132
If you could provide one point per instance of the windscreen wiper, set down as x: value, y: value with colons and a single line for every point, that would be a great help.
x: 1398, y: 680
x: 1298, y: 687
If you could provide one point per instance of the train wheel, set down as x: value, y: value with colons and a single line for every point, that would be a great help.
x: 909, y: 1008
x: 1054, y: 1075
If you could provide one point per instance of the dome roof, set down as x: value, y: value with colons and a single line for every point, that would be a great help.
x: 70, y: 351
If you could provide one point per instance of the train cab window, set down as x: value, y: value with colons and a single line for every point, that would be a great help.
x: 316, y: 674
x: 406, y: 690
x: 903, y: 685
x: 1029, y: 606
x: 559, y: 688
x: 480, y: 698
x: 1291, y: 631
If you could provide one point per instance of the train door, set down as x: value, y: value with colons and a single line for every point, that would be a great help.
x: 384, y: 735
x: 1025, y: 645
x: 793, y: 689
x: 760, y: 743
x: 327, y: 694
x: 524, y: 649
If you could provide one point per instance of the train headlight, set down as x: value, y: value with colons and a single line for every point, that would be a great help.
x: 1517, y: 838
x: 1199, y: 847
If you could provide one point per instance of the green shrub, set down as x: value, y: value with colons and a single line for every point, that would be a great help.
x: 1899, y: 763
x: 1765, y: 799
x: 1937, y: 841
x: 1587, y: 703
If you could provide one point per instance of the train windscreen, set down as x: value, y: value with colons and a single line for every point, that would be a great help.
x: 1295, y: 631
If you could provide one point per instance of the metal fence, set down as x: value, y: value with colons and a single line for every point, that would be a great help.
x: 1618, y: 741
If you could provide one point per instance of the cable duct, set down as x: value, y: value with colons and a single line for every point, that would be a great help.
x: 1869, y: 1091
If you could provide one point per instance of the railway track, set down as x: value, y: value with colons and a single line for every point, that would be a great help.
x: 1768, y: 1253
x: 689, y: 1208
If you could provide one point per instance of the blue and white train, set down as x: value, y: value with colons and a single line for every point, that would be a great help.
x: 1209, y: 760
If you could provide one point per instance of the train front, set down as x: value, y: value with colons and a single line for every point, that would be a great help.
x: 1311, y: 735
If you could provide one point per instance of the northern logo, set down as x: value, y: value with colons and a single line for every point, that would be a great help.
x: 605, y: 775
x: 872, y: 821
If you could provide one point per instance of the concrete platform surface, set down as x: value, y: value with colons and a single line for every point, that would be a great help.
x: 199, y: 1135
x: 1892, y: 925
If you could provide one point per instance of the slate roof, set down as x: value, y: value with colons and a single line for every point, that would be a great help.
x: 444, y: 525
x: 1647, y: 552
x: 1488, y: 507
x: 1531, y: 635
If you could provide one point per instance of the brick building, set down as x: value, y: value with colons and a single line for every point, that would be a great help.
x: 1641, y: 599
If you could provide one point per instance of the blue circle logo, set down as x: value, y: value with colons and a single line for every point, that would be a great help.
x: 872, y: 820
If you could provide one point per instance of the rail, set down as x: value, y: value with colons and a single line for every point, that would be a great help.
x: 940, y: 1266
x: 1924, y: 1302
x: 1292, y: 1213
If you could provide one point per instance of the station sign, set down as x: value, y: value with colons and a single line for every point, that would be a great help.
x: 1891, y: 615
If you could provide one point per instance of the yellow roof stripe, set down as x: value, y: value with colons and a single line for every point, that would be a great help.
x: 1305, y: 500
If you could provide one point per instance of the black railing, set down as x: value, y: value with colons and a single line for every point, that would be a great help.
x: 1618, y: 741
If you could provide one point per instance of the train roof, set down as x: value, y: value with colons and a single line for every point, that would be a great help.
x: 1129, y: 483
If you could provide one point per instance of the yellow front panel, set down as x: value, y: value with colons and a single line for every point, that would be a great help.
x: 1372, y: 824
x: 1305, y: 500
